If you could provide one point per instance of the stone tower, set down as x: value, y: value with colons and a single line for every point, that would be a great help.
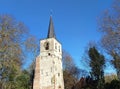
x: 48, y: 69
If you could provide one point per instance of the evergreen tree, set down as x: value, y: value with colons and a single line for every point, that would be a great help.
x: 97, y: 63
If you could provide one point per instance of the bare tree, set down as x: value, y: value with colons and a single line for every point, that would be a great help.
x: 15, y: 42
x: 71, y: 72
x: 109, y: 25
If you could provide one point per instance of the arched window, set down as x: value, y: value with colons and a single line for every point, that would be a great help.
x: 46, y: 45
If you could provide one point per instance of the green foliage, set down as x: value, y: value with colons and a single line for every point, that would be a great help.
x: 23, y: 80
x: 31, y: 70
x: 97, y: 64
x: 115, y: 84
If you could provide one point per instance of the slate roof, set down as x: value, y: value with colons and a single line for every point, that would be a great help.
x: 51, y: 32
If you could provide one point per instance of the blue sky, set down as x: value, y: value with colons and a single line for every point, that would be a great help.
x: 75, y: 21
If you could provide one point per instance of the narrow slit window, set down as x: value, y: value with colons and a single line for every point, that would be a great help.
x: 59, y: 48
x: 55, y: 45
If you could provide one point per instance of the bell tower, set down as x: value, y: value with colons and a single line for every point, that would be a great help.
x: 48, y: 69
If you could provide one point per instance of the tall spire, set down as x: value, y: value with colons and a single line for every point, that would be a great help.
x: 51, y: 33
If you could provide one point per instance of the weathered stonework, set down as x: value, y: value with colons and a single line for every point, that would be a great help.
x: 37, y: 74
x: 48, y: 70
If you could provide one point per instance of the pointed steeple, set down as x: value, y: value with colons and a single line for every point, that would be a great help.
x: 51, y: 33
